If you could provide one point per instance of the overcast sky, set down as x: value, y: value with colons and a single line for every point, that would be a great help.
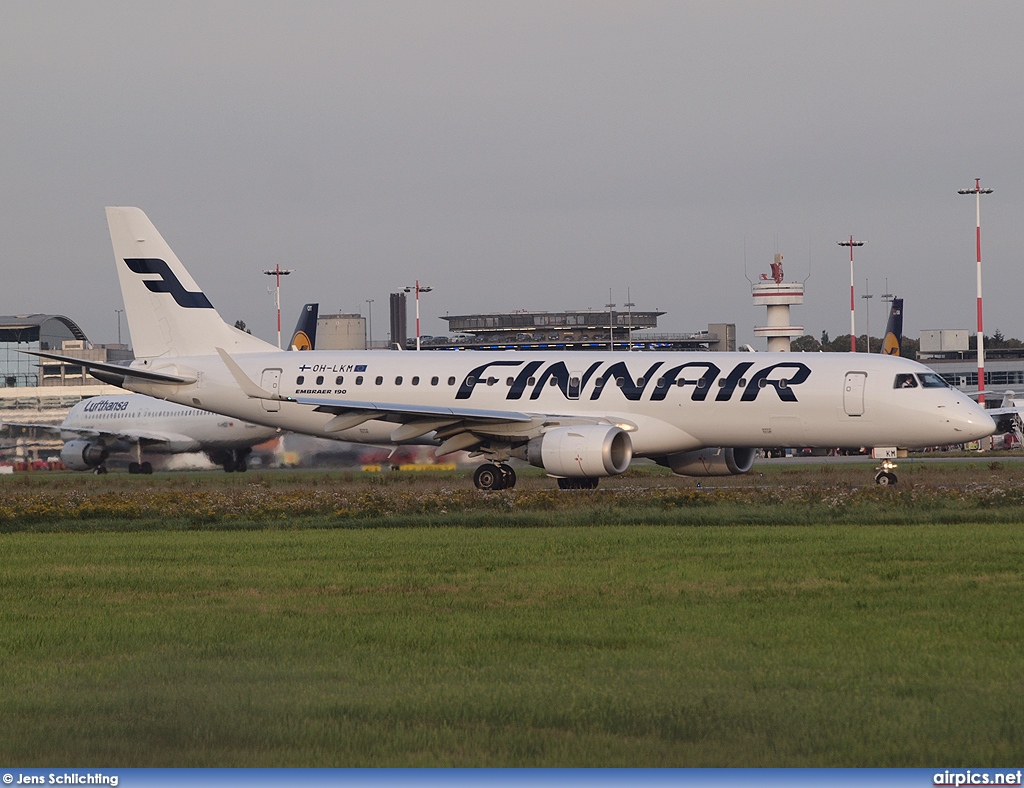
x: 520, y: 155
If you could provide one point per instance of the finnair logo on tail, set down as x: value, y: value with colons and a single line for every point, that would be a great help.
x: 167, y: 283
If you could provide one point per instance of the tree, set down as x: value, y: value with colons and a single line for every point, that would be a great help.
x: 240, y: 325
x: 806, y: 344
x: 824, y: 339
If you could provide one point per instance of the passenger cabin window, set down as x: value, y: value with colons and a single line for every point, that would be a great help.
x: 434, y: 381
x: 319, y: 380
x: 339, y: 380
x: 380, y: 380
x: 451, y: 381
x: 398, y: 381
x: 359, y: 380
x: 905, y: 381
x: 932, y: 381
x: 299, y: 380
x: 416, y: 380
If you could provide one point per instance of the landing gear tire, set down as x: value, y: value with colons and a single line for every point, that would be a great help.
x: 134, y: 467
x: 577, y: 483
x: 241, y: 466
x: 885, y: 478
x: 229, y: 465
x: 100, y: 469
x: 146, y: 468
x: 489, y: 477
x: 509, y: 477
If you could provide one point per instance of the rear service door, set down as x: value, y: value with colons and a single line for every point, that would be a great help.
x: 271, y: 381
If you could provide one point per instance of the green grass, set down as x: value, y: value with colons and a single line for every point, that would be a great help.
x: 595, y: 645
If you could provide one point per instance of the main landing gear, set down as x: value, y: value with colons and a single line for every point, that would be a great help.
x: 231, y: 461
x: 577, y: 483
x: 494, y: 476
x: 140, y: 467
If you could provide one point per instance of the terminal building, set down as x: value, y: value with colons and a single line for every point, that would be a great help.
x: 948, y: 352
x: 41, y: 390
x: 572, y: 330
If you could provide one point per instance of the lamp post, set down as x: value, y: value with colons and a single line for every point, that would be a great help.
x: 369, y: 318
x: 629, y: 305
x: 853, y: 331
x: 418, y: 288
x: 977, y: 191
x: 277, y: 273
x: 867, y: 315
x: 611, y: 322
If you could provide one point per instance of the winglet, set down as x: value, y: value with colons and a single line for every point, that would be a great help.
x: 251, y: 389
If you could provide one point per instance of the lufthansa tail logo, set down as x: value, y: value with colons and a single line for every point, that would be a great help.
x: 301, y: 342
x: 167, y: 283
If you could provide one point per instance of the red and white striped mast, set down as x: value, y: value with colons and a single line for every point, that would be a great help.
x: 277, y: 273
x: 853, y: 330
x: 978, y: 191
x: 418, y: 288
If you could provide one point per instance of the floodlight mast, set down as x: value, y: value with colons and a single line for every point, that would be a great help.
x: 418, y: 288
x: 853, y: 329
x: 867, y: 315
x: 978, y: 191
x: 277, y: 273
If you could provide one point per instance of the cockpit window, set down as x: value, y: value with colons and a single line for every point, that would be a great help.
x: 932, y: 381
x: 905, y: 381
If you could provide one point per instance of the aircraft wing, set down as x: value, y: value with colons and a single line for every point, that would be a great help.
x: 400, y: 412
x: 456, y: 427
x: 134, y: 436
x: 50, y: 429
x: 57, y: 431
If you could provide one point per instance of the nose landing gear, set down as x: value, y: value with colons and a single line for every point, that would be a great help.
x: 885, y: 476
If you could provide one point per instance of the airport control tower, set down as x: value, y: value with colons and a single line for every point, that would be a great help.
x: 778, y: 296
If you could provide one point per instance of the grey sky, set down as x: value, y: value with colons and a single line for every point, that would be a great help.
x: 521, y: 155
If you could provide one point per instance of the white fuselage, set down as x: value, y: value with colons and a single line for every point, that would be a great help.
x: 163, y: 427
x: 669, y: 402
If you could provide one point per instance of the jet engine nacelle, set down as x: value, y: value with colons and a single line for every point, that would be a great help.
x: 81, y: 455
x: 713, y: 461
x: 588, y: 451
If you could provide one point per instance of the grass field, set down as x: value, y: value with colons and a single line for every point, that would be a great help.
x: 202, y: 627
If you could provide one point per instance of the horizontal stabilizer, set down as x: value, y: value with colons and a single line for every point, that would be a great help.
x: 116, y: 369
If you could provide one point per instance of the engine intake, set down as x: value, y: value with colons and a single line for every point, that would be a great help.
x: 588, y: 451
x: 79, y: 455
x: 712, y: 461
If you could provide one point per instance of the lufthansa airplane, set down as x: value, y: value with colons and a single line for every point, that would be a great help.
x: 579, y: 415
x: 100, y: 426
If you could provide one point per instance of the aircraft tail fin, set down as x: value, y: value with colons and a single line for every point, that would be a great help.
x: 168, y: 314
x: 304, y: 336
x: 892, y: 343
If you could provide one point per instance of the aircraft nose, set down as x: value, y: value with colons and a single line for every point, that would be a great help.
x: 971, y: 422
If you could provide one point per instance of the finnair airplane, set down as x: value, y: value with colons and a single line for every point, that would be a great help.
x: 100, y: 426
x: 579, y: 415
